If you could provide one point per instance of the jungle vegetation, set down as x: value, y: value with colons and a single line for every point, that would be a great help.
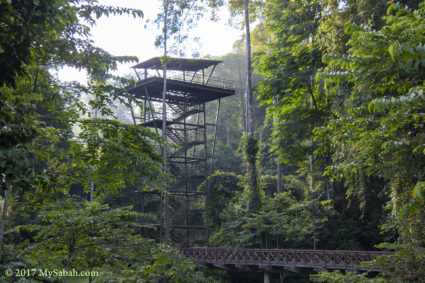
x: 334, y: 158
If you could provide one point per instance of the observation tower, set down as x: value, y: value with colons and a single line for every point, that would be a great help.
x: 189, y: 87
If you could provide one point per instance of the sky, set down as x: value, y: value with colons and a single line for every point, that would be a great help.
x: 124, y: 35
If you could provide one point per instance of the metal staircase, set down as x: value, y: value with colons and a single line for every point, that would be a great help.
x: 188, y: 91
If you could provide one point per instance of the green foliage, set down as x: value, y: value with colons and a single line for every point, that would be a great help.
x: 18, y: 130
x: 349, y: 277
x: 227, y: 159
x: 42, y: 162
x: 381, y: 135
x: 351, y: 120
x: 22, y: 22
x: 38, y: 36
x: 283, y: 222
x: 416, y: 200
x: 250, y: 149
x: 297, y: 102
x: 377, y: 134
x: 268, y: 184
x: 113, y: 155
x: 168, y: 265
x: 224, y: 189
x: 267, y: 159
x: 405, y: 265
x: 231, y: 119
x: 86, y: 236
x: 345, y: 81
x: 13, y: 259
x: 91, y: 236
x: 50, y: 31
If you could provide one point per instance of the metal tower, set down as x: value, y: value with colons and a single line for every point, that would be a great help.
x: 190, y: 86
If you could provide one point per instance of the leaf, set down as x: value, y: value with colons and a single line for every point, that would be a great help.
x: 391, y: 51
x: 419, y: 190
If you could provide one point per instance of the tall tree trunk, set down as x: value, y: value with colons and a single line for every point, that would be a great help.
x: 279, y: 166
x: 311, y: 157
x: 228, y: 135
x: 164, y: 124
x: 164, y: 152
x: 71, y: 247
x: 311, y: 161
x: 248, y: 72
x: 327, y: 180
x: 314, y: 234
x: 3, y: 220
x: 279, y: 176
x: 243, y: 106
x: 252, y: 145
x: 92, y: 183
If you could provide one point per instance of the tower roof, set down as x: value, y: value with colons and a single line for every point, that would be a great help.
x: 177, y: 64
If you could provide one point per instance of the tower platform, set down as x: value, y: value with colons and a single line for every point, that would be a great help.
x: 187, y: 81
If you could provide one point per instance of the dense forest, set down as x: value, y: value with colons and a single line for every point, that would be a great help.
x: 322, y: 147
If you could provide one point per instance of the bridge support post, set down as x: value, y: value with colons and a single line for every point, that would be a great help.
x: 266, y: 277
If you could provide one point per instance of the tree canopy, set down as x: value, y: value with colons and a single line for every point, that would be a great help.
x: 334, y: 158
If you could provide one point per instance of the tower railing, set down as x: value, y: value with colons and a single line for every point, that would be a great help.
x: 200, y: 80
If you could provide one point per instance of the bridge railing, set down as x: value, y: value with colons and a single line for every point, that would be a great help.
x: 280, y: 257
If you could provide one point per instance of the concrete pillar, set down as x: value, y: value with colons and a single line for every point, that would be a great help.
x: 266, y: 277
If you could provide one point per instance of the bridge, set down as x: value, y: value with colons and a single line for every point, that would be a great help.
x: 268, y: 260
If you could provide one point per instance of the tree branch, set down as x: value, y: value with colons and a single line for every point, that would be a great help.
x: 312, y: 95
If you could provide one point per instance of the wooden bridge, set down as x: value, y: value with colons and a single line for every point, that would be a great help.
x: 267, y: 260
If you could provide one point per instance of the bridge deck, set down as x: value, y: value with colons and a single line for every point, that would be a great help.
x: 320, y: 259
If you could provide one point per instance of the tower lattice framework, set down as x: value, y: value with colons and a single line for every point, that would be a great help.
x: 190, y: 86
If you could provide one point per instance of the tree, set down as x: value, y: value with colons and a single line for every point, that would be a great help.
x: 389, y: 92
x: 282, y: 222
x: 113, y: 155
x: 224, y: 189
x: 377, y: 135
x: 87, y: 236
x: 37, y: 37
x: 41, y: 160
x: 248, y: 71
x: 244, y: 7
